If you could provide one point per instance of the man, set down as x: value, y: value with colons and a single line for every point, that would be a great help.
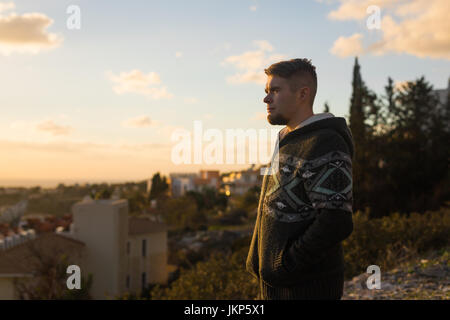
x: 305, y: 207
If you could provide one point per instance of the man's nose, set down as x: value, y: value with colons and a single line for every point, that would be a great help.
x: 267, y: 99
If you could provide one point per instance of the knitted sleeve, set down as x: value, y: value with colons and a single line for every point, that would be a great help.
x: 328, y: 185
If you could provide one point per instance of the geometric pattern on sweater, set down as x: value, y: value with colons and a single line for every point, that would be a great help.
x: 301, y: 186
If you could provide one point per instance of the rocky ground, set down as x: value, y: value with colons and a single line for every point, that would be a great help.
x: 425, y: 278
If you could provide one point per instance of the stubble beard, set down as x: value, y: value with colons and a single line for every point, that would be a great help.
x: 276, y: 119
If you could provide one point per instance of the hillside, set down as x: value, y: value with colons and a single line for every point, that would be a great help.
x: 421, y: 278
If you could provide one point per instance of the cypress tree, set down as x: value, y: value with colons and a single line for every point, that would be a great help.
x: 357, y: 127
x: 356, y: 106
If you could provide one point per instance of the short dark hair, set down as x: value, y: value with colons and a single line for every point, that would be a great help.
x: 301, y: 68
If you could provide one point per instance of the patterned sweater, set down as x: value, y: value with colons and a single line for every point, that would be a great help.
x: 305, y: 212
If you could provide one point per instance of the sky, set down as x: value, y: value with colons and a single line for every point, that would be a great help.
x: 94, y: 90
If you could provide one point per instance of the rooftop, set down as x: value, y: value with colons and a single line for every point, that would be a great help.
x: 18, y: 260
x: 142, y: 226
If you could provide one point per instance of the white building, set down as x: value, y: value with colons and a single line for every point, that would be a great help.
x: 146, y: 254
x: 180, y: 183
x: 442, y: 96
x: 12, y: 214
x: 123, y: 254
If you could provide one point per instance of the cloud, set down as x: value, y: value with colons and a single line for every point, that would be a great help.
x: 25, y: 33
x: 82, y: 159
x: 417, y: 27
x: 135, y: 81
x: 424, y: 36
x: 350, y: 46
x: 138, y: 122
x: 6, y: 6
x: 53, y: 128
x: 52, y: 146
x: 357, y: 9
x: 263, y: 45
x: 251, y: 64
x: 78, y: 146
x: 178, y: 54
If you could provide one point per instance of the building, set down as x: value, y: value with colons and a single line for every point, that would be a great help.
x: 239, y: 182
x: 180, y: 183
x: 146, y: 254
x: 208, y: 179
x: 149, y: 186
x: 103, y: 226
x: 12, y: 214
x: 442, y: 96
x: 123, y: 254
x: 19, y: 261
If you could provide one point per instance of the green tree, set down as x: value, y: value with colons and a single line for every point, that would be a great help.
x: 209, y: 199
x: 362, y: 99
x: 49, y: 275
x: 137, y: 201
x: 103, y: 194
x: 221, y: 277
x: 182, y: 212
x: 418, y: 163
x: 249, y: 200
x: 401, y: 164
x: 159, y: 186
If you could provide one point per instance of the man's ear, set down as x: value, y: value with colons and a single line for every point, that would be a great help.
x: 303, y: 93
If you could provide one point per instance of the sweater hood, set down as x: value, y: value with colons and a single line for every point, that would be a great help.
x: 338, y: 124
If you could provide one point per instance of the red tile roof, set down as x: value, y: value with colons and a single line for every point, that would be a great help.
x: 19, y: 258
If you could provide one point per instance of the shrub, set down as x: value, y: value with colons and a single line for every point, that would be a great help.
x: 384, y: 242
x: 221, y: 277
x: 393, y: 239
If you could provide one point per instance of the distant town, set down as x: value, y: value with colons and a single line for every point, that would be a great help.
x: 141, y: 228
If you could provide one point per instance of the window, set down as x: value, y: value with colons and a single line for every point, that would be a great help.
x: 144, y: 280
x: 144, y: 247
x: 128, y: 282
x: 128, y: 247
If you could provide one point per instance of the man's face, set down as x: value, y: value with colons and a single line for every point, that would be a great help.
x: 281, y: 101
